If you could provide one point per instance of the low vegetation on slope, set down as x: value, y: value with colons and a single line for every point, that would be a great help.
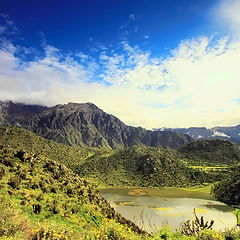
x: 50, y: 200
x: 19, y: 138
x: 139, y: 165
x: 145, y: 167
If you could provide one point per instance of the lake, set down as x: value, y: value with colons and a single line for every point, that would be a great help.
x: 153, y: 208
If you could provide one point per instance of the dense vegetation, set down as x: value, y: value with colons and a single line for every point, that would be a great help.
x: 47, y: 193
x: 43, y: 199
x: 19, y: 138
x: 139, y: 165
x: 135, y: 166
x: 228, y: 190
x: 145, y: 167
x: 211, y: 152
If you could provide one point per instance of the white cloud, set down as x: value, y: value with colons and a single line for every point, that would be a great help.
x: 194, y: 86
x: 227, y: 15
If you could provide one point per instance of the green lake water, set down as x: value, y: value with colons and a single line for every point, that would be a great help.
x: 153, y: 208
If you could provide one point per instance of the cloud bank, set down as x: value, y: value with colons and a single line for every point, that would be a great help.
x: 197, y: 84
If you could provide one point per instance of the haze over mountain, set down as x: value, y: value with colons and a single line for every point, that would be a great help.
x: 230, y: 133
x: 84, y: 125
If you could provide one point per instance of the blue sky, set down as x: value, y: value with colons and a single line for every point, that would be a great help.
x: 151, y: 63
x: 72, y: 26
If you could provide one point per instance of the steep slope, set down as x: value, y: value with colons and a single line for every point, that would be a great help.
x: 56, y: 202
x: 17, y: 113
x: 19, y: 138
x: 215, y: 151
x: 86, y: 125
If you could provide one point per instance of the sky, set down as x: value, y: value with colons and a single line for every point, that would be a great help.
x: 151, y: 63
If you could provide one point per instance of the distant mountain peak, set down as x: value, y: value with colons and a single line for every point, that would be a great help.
x: 230, y: 133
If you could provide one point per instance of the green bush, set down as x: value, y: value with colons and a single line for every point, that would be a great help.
x: 12, y: 223
x: 210, y: 235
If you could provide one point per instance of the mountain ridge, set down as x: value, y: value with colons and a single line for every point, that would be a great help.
x: 84, y: 124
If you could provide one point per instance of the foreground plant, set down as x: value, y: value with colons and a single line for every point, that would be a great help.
x: 193, y: 228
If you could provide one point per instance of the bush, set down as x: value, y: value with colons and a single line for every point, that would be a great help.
x: 49, y: 234
x: 12, y: 222
x: 14, y: 182
x: 232, y: 234
x: 210, y: 235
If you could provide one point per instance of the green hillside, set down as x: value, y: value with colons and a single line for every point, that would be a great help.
x: 145, y: 167
x: 42, y: 197
x: 211, y: 152
x: 228, y: 190
x: 19, y: 138
x: 139, y: 165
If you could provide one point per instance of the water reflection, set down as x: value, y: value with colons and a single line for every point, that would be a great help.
x: 153, y: 208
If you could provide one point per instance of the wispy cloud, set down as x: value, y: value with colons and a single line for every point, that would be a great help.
x: 129, y: 27
x: 197, y: 79
x: 132, y: 17
x: 7, y: 25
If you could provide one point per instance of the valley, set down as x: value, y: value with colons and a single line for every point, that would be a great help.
x: 119, y: 120
x: 61, y: 188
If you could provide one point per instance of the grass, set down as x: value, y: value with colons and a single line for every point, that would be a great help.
x: 204, y: 189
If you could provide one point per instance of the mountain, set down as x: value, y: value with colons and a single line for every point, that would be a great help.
x: 233, y: 132
x: 18, y: 113
x: 230, y: 133
x: 84, y: 124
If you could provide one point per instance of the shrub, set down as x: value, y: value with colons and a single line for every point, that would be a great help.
x: 14, y: 182
x: 49, y: 234
x: 12, y: 222
x: 210, y: 235
x: 232, y: 234
x: 2, y: 173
